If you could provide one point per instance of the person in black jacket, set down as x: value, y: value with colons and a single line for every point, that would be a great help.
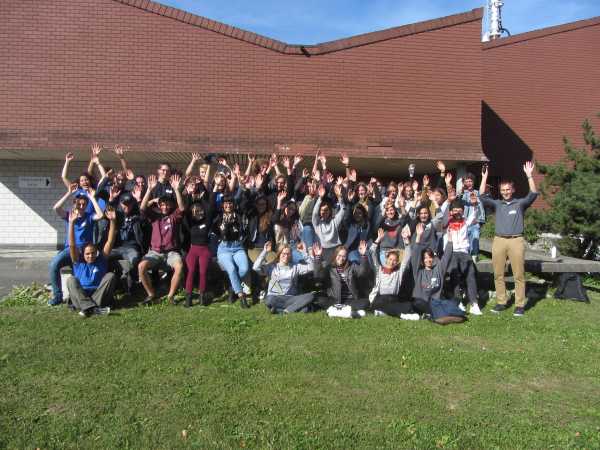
x: 341, y: 278
x: 232, y: 228
x: 130, y: 240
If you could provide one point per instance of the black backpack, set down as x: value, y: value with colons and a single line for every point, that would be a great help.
x: 570, y: 287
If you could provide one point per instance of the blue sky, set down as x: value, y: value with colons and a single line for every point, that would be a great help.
x: 314, y: 21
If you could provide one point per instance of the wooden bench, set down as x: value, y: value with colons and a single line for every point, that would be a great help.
x: 539, y: 262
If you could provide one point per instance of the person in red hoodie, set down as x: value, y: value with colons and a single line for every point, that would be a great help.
x: 164, y: 243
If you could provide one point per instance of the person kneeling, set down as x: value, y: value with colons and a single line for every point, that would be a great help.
x: 91, y: 288
x: 282, y: 291
x: 429, y: 274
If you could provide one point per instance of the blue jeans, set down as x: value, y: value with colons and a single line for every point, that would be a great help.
x: 308, y: 236
x: 233, y: 259
x: 473, y: 237
x: 62, y: 259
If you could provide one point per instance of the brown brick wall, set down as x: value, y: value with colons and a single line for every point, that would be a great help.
x: 74, y: 71
x: 539, y: 87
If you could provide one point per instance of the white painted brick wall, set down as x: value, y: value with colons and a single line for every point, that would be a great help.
x: 28, y: 218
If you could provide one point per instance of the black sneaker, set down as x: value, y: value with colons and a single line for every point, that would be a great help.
x: 188, y: 300
x: 519, y: 311
x: 203, y: 299
x: 149, y: 300
x: 244, y: 302
x: 499, y: 308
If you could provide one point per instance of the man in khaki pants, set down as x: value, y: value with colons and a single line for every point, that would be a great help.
x: 509, y: 240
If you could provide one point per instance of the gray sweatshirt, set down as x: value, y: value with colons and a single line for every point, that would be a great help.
x: 386, y: 282
x: 282, y: 278
x: 328, y: 231
x: 429, y: 283
x: 509, y: 214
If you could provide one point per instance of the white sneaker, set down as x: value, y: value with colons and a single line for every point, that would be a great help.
x: 341, y: 311
x: 101, y: 311
x: 246, y: 289
x: 474, y: 310
x: 361, y: 313
x: 410, y: 316
x: 462, y: 307
x: 378, y: 313
x: 262, y: 295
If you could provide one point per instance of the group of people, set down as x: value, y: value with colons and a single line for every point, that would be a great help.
x: 295, y: 238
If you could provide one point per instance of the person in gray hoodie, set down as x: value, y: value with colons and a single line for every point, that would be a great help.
x: 282, y: 290
x: 326, y: 225
x: 429, y: 273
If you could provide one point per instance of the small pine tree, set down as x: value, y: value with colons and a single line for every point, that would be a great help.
x: 571, y: 188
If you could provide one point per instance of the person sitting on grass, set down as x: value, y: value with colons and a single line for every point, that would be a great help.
x: 385, y: 297
x: 164, y: 243
x: 509, y: 242
x: 341, y: 278
x: 429, y: 274
x: 92, y: 287
x: 84, y: 233
x: 282, y: 290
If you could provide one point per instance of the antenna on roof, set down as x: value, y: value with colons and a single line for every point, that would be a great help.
x: 495, y: 17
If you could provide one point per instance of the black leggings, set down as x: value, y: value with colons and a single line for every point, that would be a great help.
x: 393, y: 305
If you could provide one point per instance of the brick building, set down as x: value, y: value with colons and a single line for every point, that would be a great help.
x: 166, y: 83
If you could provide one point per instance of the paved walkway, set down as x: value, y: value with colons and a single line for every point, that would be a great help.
x: 23, y: 266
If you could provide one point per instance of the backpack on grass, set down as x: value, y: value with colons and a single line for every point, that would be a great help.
x: 570, y: 287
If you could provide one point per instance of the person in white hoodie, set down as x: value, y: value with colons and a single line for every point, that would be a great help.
x: 462, y: 268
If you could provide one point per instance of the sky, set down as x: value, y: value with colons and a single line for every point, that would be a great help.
x: 313, y: 21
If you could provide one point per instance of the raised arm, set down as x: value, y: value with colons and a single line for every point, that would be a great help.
x: 120, y: 152
x: 484, y: 177
x: 528, y: 169
x: 190, y: 168
x: 315, y: 212
x: 73, y: 250
x: 58, y: 206
x: 175, y: 182
x: 151, y: 185
x: 95, y: 159
x: 251, y: 161
x: 99, y: 214
x: 65, y: 179
x: 273, y: 164
x: 445, y: 262
x: 375, y: 248
x: 339, y: 216
x: 111, y: 215
x: 259, y: 265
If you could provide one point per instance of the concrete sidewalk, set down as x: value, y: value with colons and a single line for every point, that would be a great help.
x: 23, y: 266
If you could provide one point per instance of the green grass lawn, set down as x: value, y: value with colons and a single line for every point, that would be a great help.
x: 246, y: 379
